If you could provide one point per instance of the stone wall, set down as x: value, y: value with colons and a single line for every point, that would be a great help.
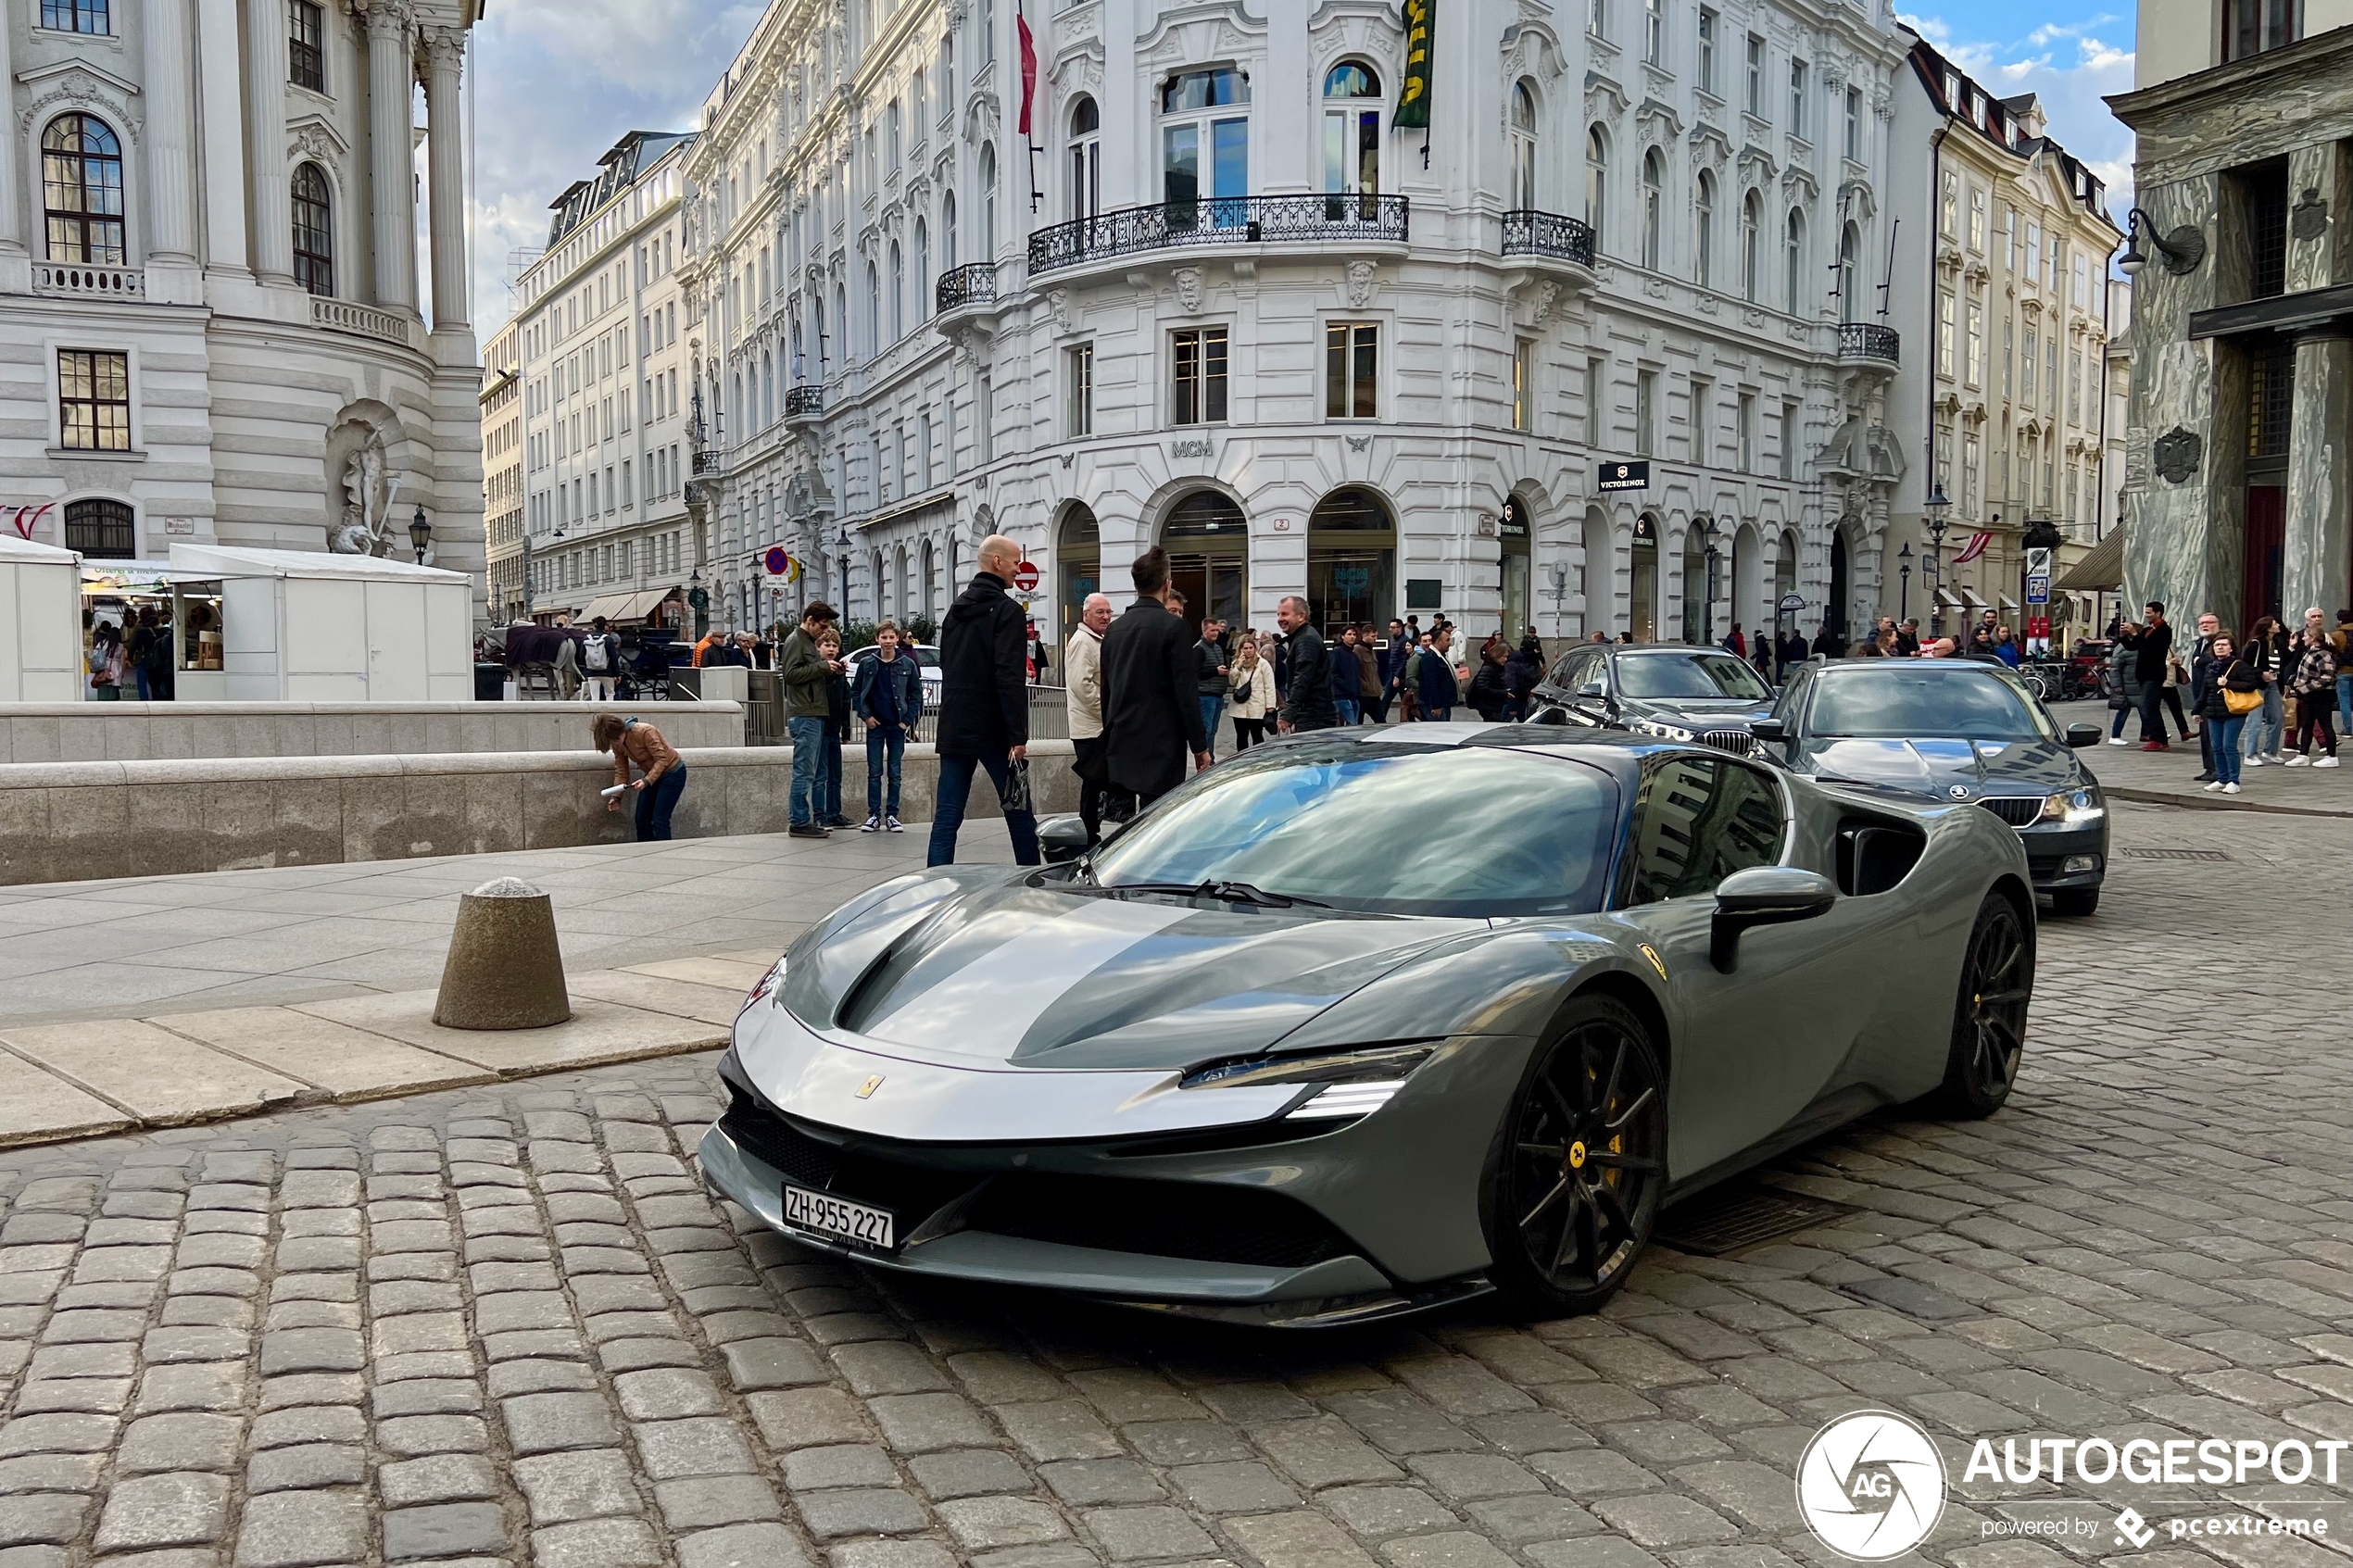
x: 139, y: 731
x: 71, y: 821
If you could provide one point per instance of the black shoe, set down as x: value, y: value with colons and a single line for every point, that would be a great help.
x: 840, y: 822
x: 806, y: 830
x: 2203, y: 778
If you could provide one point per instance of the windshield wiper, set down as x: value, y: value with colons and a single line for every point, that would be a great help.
x: 1229, y: 891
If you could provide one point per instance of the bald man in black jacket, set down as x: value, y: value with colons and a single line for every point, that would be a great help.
x: 1152, y: 711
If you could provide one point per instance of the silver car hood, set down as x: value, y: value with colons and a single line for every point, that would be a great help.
x: 1010, y: 975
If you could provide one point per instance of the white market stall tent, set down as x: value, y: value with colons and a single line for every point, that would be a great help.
x: 307, y: 626
x: 40, y: 623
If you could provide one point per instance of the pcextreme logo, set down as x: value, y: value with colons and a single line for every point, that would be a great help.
x: 1870, y: 1485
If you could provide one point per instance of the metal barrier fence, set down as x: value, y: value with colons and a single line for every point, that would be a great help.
x: 764, y: 712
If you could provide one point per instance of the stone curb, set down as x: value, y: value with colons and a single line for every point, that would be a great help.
x: 2201, y: 801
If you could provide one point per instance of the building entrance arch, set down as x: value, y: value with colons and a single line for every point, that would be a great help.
x: 1351, y: 561
x: 1078, y: 563
x: 1748, y: 580
x: 1642, y: 612
x: 1207, y: 539
x: 1518, y: 529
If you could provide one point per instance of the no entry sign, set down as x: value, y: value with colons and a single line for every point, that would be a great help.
x: 1025, y: 576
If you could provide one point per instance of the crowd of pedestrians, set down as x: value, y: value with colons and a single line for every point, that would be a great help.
x: 2276, y: 697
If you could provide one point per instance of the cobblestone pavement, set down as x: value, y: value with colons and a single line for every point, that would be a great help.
x: 506, y: 1323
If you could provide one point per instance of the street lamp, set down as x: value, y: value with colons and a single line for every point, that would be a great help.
x: 1936, y: 509
x: 2183, y: 249
x: 1904, y: 601
x: 420, y: 535
x: 1714, y: 553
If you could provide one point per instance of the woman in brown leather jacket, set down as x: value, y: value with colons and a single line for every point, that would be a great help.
x: 662, y: 777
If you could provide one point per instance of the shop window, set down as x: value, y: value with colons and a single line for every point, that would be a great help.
x: 101, y: 530
x: 94, y: 400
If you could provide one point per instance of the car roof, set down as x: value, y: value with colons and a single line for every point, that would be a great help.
x: 1610, y: 748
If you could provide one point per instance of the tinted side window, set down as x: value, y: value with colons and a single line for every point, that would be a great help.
x: 1564, y: 672
x: 1697, y: 822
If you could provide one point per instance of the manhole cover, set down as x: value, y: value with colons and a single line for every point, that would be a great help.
x: 2137, y: 853
x: 1717, y: 1222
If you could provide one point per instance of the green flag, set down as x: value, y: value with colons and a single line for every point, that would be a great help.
x: 1413, y: 104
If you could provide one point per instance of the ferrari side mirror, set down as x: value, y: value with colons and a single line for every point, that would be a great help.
x: 1762, y: 896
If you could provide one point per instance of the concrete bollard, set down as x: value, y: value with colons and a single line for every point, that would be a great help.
x: 505, y: 970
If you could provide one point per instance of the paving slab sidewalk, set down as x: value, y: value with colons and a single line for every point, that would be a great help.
x: 92, y: 1076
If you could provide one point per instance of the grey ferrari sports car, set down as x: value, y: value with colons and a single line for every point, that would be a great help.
x: 1366, y: 1021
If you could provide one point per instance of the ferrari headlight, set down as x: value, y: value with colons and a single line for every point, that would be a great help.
x: 2074, y: 807
x: 765, y: 987
x: 1662, y: 730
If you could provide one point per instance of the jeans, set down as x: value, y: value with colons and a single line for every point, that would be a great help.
x: 2345, y: 703
x: 955, y: 788
x: 2267, y: 725
x: 2226, y: 747
x: 1376, y: 707
x: 656, y: 801
x: 886, y: 748
x: 1212, y: 710
x: 1346, y: 710
x: 808, y: 766
x: 828, y: 802
x: 2116, y: 726
x: 2153, y: 712
x: 150, y: 686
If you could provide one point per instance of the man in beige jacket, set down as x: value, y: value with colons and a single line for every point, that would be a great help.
x: 1083, y: 678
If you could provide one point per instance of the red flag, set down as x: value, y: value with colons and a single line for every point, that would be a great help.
x: 1028, y: 71
x: 1974, y: 548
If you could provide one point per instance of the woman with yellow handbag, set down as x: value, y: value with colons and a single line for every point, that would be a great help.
x: 2229, y: 702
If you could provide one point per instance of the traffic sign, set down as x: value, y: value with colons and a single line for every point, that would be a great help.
x: 777, y: 561
x: 1025, y: 577
x: 2038, y: 590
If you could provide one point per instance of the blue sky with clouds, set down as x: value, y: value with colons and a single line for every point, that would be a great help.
x: 561, y: 80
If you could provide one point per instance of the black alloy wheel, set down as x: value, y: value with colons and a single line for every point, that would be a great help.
x: 1989, y: 1013
x: 1574, y: 1183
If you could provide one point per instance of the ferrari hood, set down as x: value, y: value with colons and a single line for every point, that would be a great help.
x: 1040, y: 977
x: 1938, y: 767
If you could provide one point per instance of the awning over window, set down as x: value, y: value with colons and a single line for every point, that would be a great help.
x: 2102, y: 570
x: 1969, y: 598
x: 1948, y: 599
x: 607, y: 604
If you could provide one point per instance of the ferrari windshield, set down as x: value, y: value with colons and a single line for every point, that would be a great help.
x: 1697, y: 675
x: 1453, y: 831
x: 1905, y: 700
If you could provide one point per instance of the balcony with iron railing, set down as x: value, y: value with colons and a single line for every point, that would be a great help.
x: 803, y: 403
x: 960, y: 288
x: 1548, y: 236
x: 1341, y: 221
x: 709, y: 460
x: 1869, y: 340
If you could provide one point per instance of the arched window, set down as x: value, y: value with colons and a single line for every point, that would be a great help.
x: 1752, y: 241
x: 82, y: 191
x: 874, y: 311
x: 841, y: 321
x: 1352, y: 128
x: 922, y: 271
x: 1204, y: 137
x: 1523, y: 139
x: 101, y: 530
x: 1083, y: 164
x: 989, y: 201
x: 1654, y: 199
x: 897, y: 293
x: 1596, y: 182
x: 930, y: 564
x: 1794, y: 262
x: 948, y: 233
x: 1703, y: 230
x: 314, y: 231
x: 1850, y: 252
x: 767, y: 391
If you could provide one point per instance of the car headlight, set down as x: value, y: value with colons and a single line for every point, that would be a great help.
x: 1349, y: 1082
x: 1662, y: 730
x: 2074, y: 807
x: 763, y: 987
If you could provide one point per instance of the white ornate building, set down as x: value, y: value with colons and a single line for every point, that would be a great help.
x: 1218, y: 298
x: 595, y: 348
x: 209, y: 288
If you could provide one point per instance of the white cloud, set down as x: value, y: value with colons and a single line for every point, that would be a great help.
x: 2071, y: 66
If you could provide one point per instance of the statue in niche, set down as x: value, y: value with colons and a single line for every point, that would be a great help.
x: 370, y: 487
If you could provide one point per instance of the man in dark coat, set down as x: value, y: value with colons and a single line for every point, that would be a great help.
x: 1307, y: 700
x: 1151, y: 701
x: 984, y: 704
x: 2149, y: 662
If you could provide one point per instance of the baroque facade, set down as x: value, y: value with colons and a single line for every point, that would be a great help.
x: 209, y: 287
x: 2238, y: 497
x: 1218, y: 298
x: 2003, y: 259
x: 603, y: 391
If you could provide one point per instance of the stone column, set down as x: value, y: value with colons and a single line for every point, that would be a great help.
x: 2317, y: 562
x: 171, y: 182
x: 445, y: 142
x: 392, y: 155
x: 11, y: 230
x: 220, y: 61
x: 266, y: 144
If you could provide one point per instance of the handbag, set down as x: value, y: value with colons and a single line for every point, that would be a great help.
x: 2241, y: 703
x: 1017, y: 796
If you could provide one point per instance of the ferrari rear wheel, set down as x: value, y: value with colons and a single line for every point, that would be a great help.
x: 1988, y: 1015
x: 1574, y: 1183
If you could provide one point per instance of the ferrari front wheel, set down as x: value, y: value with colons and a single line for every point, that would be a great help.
x: 1574, y: 1181
x: 1989, y: 1013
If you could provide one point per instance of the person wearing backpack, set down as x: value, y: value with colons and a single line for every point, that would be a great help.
x: 599, y: 660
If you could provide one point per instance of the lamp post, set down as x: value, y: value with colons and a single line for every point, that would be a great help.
x: 1707, y: 617
x: 420, y: 535
x: 1904, y: 599
x: 1936, y: 510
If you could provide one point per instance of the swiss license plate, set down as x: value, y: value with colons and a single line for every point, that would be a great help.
x: 857, y: 1222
